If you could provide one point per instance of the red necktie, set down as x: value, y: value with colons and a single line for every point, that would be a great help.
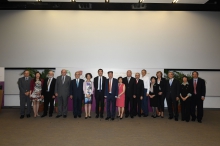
x: 194, y: 86
x: 136, y: 81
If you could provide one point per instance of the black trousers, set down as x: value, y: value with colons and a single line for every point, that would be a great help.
x: 137, y: 106
x: 48, y: 99
x: 129, y: 102
x: 185, y: 109
x: 99, y: 97
x: 161, y: 103
x: 77, y: 105
x: 172, y: 106
x: 196, y: 101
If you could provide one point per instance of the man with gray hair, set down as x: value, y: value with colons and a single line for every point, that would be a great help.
x: 62, y: 93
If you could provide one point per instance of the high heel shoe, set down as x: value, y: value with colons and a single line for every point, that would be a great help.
x: 85, y: 117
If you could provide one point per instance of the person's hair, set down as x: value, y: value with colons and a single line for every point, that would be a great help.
x: 137, y: 73
x: 26, y: 70
x: 160, y: 73
x: 195, y: 72
x: 153, y: 77
x: 35, y: 76
x: 120, y: 78
x: 185, y: 77
x: 100, y: 69
x: 88, y: 74
x: 144, y: 70
x: 110, y: 72
x: 171, y: 72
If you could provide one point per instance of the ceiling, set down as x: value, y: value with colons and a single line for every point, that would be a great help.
x: 143, y: 5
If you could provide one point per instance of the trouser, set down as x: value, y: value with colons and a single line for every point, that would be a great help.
x: 111, y: 101
x: 185, y: 109
x: 77, y: 106
x: 161, y: 103
x: 172, y: 106
x: 99, y: 97
x: 196, y: 101
x: 145, y: 103
x: 138, y: 105
x: 25, y: 99
x: 129, y: 105
x: 48, y: 99
x: 62, y: 105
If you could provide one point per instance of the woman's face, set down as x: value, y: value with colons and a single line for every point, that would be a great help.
x: 88, y: 77
x: 152, y: 80
x: 37, y: 75
x: 159, y: 75
x: 184, y: 79
x: 120, y: 80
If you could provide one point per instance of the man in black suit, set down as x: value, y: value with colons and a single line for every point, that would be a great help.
x: 129, y: 82
x: 198, y: 89
x: 138, y: 93
x: 48, y: 93
x: 76, y: 93
x: 99, y: 85
x: 172, y: 95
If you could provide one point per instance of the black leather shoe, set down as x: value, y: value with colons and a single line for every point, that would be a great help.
x: 97, y: 116
x: 58, y: 116
x: 107, y: 118
x: 112, y: 119
x: 64, y: 116
x: 132, y: 117
x: 79, y: 116
x: 75, y: 116
x: 43, y: 115
x: 126, y: 116
x: 170, y: 118
x: 176, y: 119
x: 139, y: 115
x: 101, y: 116
x: 145, y: 115
x: 193, y: 119
x: 85, y: 117
x: 50, y: 115
x: 187, y: 120
x: 22, y: 117
x: 28, y: 115
x: 200, y: 121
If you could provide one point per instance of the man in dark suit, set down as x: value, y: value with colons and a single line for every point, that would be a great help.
x: 198, y: 89
x: 111, y: 93
x: 24, y: 87
x: 48, y: 93
x: 76, y: 93
x: 172, y: 95
x: 138, y: 93
x: 62, y: 90
x: 99, y: 84
x: 129, y: 82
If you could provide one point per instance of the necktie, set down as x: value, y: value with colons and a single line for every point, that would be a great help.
x: 100, y: 84
x: 170, y: 82
x: 48, y: 83
x: 26, y: 78
x: 194, y: 86
x: 63, y: 79
x: 136, y: 81
x: 128, y: 80
x: 109, y: 86
x: 77, y: 83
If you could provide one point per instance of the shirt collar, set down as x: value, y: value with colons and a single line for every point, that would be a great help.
x: 185, y: 83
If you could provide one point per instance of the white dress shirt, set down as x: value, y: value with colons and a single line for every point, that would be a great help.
x: 99, y: 82
x: 146, y: 81
x: 48, y: 89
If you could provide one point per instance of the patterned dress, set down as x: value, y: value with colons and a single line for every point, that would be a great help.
x: 37, y: 91
x: 88, y: 91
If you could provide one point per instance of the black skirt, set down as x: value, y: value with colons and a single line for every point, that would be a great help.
x: 154, y: 101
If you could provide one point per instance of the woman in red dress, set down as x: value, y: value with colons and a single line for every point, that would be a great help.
x: 120, y: 102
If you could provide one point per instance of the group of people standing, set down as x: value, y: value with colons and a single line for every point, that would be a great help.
x: 131, y: 95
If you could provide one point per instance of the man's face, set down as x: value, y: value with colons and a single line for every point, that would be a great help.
x: 100, y: 72
x: 77, y: 75
x: 63, y: 72
x: 50, y: 74
x: 195, y: 75
x: 26, y: 73
x: 110, y: 75
x: 129, y: 73
x: 137, y: 76
x: 170, y: 75
x: 143, y: 73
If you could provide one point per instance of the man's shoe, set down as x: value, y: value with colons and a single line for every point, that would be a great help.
x: 97, y: 116
x: 176, y: 119
x: 22, y: 117
x: 107, y: 118
x: 58, y: 116
x: 170, y: 117
x: 200, y: 121
x: 64, y: 116
x: 112, y: 119
x: 75, y: 116
x: 43, y: 115
x: 50, y: 115
x: 132, y: 117
x: 101, y: 116
x: 79, y: 116
x: 126, y: 116
x: 28, y: 115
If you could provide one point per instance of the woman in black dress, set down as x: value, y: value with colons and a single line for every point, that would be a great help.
x: 185, y: 98
x: 153, y: 94
x: 160, y: 82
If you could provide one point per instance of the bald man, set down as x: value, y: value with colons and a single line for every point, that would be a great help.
x: 129, y: 82
x: 48, y: 93
x: 62, y: 90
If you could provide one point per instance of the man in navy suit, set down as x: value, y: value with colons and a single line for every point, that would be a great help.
x: 198, y: 89
x: 76, y: 93
x: 111, y: 93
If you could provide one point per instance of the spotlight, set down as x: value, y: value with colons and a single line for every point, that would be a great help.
x: 175, y: 1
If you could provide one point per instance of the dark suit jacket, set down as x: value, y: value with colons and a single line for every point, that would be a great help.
x: 156, y: 90
x: 114, y: 87
x: 129, y: 87
x: 173, y: 90
x: 139, y: 88
x: 162, y: 85
x: 96, y: 84
x: 76, y: 91
x: 200, y: 87
x: 52, y: 87
x: 24, y: 86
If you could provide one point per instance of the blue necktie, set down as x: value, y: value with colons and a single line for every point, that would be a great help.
x: 77, y: 83
x: 100, y: 84
x: 170, y: 82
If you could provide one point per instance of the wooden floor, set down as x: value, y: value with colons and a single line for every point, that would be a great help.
x: 126, y: 132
